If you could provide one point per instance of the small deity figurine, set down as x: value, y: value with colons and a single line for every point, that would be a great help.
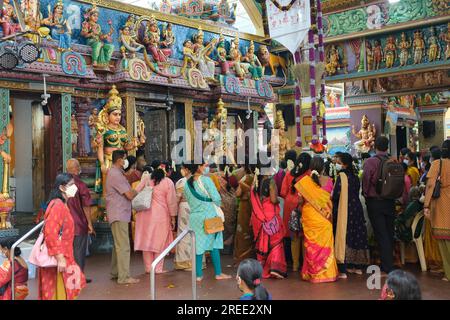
x: 235, y: 56
x: 418, y: 47
x: 390, y: 52
x: 140, y: 130
x: 280, y: 140
x: 111, y: 135
x: 333, y: 61
x: 404, y: 46
x: 205, y: 64
x: 59, y: 26
x: 366, y: 136
x: 189, y: 58
x: 433, y: 46
x: 92, y: 123
x: 369, y: 56
x: 152, y: 40
x: 222, y: 56
x: 168, y: 37
x: 74, y: 132
x: 378, y: 54
x: 446, y: 37
x: 92, y: 31
x: 32, y: 20
x: 165, y: 7
x: 254, y: 65
x: 129, y: 44
x: 8, y: 19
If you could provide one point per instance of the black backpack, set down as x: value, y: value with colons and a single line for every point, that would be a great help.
x: 391, y: 179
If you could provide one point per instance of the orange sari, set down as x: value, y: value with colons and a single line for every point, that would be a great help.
x: 319, y: 263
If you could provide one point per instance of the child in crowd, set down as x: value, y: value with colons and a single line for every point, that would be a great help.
x: 401, y: 285
x: 248, y: 279
x: 20, y: 272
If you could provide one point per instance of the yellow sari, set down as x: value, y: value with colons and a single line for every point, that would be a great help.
x: 319, y: 263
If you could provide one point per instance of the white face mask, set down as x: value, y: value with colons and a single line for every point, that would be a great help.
x: 125, y: 164
x: 422, y: 199
x: 71, y: 191
x: 406, y: 161
x: 338, y: 167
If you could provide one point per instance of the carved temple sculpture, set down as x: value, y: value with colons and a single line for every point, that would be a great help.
x: 418, y: 47
x: 404, y: 46
x: 366, y: 136
x: 390, y: 52
x: 111, y: 136
x: 59, y: 26
x: 283, y: 142
x: 6, y: 203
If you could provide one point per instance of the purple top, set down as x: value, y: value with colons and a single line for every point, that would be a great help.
x: 279, y: 176
x: 118, y: 207
x: 82, y: 199
x: 370, y: 175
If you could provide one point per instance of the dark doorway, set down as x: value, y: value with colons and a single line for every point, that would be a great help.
x: 402, y: 141
x: 156, y: 131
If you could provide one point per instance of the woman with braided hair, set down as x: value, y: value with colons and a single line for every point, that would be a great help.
x: 248, y: 279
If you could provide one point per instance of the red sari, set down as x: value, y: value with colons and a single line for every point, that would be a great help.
x: 269, y: 249
x: 54, y: 285
x: 20, y: 280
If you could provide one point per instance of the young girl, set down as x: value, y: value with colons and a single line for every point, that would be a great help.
x: 401, y: 285
x: 20, y: 273
x: 248, y: 279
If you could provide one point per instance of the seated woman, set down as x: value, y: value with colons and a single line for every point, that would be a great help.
x: 20, y: 273
x: 319, y: 264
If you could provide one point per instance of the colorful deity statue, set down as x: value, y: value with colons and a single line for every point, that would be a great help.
x: 92, y: 123
x: 91, y: 30
x: 222, y: 56
x: 236, y: 57
x: 254, y: 65
x: 6, y: 202
x: 165, y: 6
x: 152, y: 40
x: 32, y: 20
x: 378, y: 54
x: 129, y: 44
x: 333, y: 61
x: 111, y: 135
x: 59, y: 26
x: 168, y: 37
x: 283, y: 142
x: 205, y: 64
x: 74, y: 132
x: 369, y: 56
x: 390, y: 52
x: 418, y: 47
x: 8, y: 19
x: 404, y: 46
x: 189, y: 58
x: 366, y: 136
x: 433, y: 46
x: 446, y: 37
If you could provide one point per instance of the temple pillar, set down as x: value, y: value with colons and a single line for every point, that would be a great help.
x: 66, y: 107
x: 4, y: 120
x: 130, y: 107
x: 83, y: 109
x: 189, y: 126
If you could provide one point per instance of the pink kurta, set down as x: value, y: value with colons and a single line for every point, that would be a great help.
x: 153, y: 229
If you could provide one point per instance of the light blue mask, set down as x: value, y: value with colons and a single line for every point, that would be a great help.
x: 206, y: 171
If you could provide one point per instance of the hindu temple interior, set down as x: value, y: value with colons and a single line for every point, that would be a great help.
x: 381, y: 67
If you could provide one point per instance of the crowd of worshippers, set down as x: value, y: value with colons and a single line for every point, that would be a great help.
x: 324, y: 218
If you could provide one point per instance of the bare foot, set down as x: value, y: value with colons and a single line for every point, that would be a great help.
x: 129, y: 281
x: 276, y: 275
x: 342, y: 276
x: 199, y: 279
x: 445, y: 279
x: 223, y: 276
x: 161, y: 272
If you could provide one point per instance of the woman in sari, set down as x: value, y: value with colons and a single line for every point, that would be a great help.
x: 292, y: 201
x: 243, y: 243
x: 319, y: 263
x: 66, y: 280
x: 20, y: 273
x: 154, y: 226
x: 349, y: 225
x: 229, y: 205
x: 268, y: 226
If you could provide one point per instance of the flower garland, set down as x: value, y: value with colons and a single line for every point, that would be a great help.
x: 283, y: 8
x: 298, y: 141
x: 312, y: 80
x: 322, y: 59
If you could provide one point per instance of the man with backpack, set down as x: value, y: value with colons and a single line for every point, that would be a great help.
x: 383, y: 182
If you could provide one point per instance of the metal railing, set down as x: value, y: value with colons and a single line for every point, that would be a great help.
x: 165, y: 252
x: 13, y: 248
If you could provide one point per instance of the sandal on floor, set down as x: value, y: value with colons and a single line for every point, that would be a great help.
x: 223, y: 276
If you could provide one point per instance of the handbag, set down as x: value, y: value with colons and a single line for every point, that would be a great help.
x: 437, y: 187
x: 39, y: 254
x: 272, y: 226
x: 218, y: 209
x: 143, y: 200
x: 213, y: 225
x: 294, y: 223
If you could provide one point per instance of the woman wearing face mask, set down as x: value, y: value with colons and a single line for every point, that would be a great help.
x: 65, y: 281
x: 349, y: 225
x: 20, y: 273
x: 202, y: 195
x: 412, y: 171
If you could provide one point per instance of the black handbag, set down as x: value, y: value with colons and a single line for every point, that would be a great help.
x: 437, y: 187
x: 294, y: 223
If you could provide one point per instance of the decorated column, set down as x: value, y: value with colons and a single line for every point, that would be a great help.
x: 66, y: 106
x: 4, y: 120
x: 189, y: 126
x: 130, y: 107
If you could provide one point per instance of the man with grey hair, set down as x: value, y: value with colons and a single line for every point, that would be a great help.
x: 80, y: 208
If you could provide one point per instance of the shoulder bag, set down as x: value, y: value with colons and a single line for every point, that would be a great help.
x: 437, y: 187
x: 143, y: 200
x: 39, y: 254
